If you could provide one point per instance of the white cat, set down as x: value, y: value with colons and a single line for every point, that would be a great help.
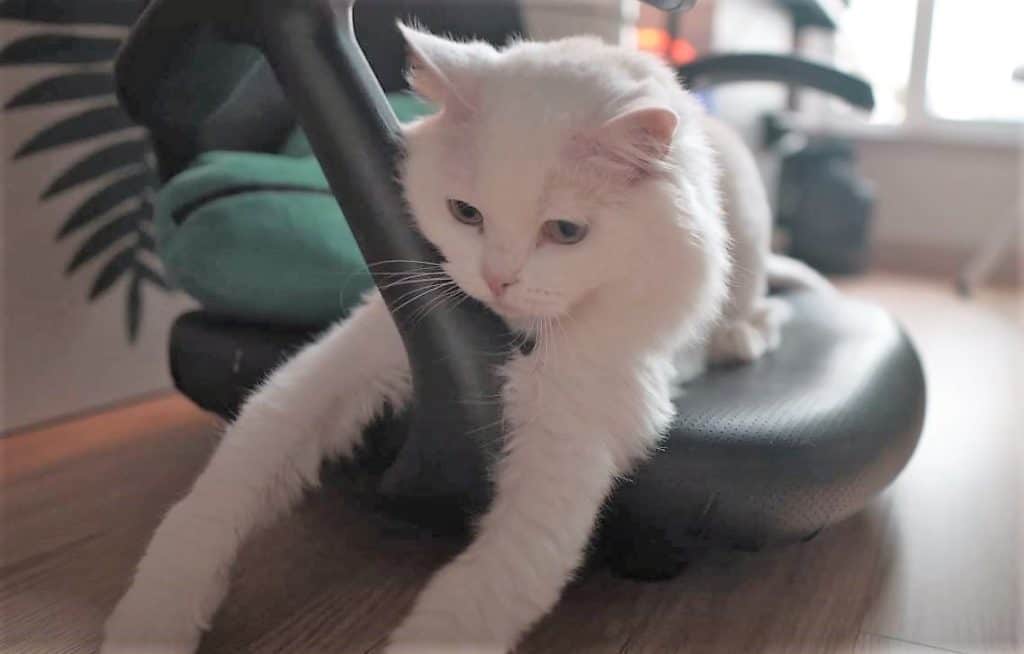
x: 573, y: 188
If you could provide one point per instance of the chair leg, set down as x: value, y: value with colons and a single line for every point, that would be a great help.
x: 980, y: 266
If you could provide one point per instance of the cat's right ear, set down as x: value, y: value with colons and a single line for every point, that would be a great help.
x: 445, y: 72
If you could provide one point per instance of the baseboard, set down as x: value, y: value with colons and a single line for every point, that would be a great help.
x: 943, y: 262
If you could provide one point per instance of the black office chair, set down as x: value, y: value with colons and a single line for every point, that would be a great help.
x: 761, y: 454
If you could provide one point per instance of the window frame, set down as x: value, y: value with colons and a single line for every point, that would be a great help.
x: 919, y: 123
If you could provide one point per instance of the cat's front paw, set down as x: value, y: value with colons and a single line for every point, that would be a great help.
x: 434, y: 629
x: 145, y: 625
x: 414, y: 647
x: 160, y: 617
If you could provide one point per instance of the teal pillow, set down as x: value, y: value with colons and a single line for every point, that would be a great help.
x: 259, y: 237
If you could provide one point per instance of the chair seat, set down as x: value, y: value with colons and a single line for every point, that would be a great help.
x: 760, y: 454
x: 775, y: 451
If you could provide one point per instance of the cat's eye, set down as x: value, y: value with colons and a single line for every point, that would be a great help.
x: 564, y: 232
x: 464, y: 212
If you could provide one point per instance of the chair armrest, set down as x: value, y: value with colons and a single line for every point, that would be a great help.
x: 715, y: 70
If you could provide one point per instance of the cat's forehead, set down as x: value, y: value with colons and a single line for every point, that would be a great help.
x: 518, y: 168
x: 526, y: 112
x: 519, y: 144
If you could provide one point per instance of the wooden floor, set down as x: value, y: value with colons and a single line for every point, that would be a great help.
x: 932, y: 566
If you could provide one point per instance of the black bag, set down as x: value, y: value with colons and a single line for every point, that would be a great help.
x: 825, y: 207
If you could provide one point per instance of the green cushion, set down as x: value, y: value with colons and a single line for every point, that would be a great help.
x: 259, y: 236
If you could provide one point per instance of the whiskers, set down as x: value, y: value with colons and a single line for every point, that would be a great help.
x: 431, y: 288
x: 416, y: 289
x: 406, y: 272
x: 548, y: 337
x: 520, y: 339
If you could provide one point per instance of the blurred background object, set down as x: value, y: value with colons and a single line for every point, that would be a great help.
x: 917, y: 185
x: 86, y: 312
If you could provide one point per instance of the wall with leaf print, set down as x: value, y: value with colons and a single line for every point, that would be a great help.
x: 85, y: 309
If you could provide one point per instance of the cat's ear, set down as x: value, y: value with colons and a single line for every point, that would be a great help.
x: 446, y: 72
x: 649, y: 128
x: 632, y: 145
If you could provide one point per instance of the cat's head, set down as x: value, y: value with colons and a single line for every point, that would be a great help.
x: 543, y: 180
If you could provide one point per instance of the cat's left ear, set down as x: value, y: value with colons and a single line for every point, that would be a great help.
x: 632, y: 145
x: 646, y: 130
x: 446, y: 72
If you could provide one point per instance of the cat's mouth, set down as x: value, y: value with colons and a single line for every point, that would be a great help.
x: 508, y: 311
x: 503, y: 309
x: 513, y: 309
x: 518, y: 316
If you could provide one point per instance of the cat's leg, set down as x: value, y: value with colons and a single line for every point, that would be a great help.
x: 748, y: 327
x: 751, y: 322
x: 550, y: 485
x: 315, y: 405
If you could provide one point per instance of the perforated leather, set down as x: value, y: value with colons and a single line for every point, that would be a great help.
x: 777, y: 450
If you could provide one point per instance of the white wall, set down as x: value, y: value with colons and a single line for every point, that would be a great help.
x: 60, y: 354
x: 552, y: 19
x: 938, y: 199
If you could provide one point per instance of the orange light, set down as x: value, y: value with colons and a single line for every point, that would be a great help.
x: 682, y: 52
x: 652, y: 39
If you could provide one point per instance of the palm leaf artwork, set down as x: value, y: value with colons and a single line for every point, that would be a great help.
x: 118, y: 215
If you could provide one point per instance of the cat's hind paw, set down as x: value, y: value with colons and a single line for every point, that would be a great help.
x: 747, y: 340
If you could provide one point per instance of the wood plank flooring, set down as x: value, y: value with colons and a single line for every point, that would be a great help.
x: 932, y: 566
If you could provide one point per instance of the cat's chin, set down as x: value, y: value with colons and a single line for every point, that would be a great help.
x: 504, y: 311
x: 518, y: 318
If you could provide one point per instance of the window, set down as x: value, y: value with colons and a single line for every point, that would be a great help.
x: 876, y: 41
x: 974, y: 50
x: 937, y: 62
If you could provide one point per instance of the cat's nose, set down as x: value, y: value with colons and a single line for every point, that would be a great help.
x: 497, y: 282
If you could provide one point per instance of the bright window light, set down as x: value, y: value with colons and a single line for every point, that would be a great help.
x: 975, y: 48
x: 876, y: 41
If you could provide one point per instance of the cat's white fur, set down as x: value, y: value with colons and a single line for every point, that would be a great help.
x: 538, y: 131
